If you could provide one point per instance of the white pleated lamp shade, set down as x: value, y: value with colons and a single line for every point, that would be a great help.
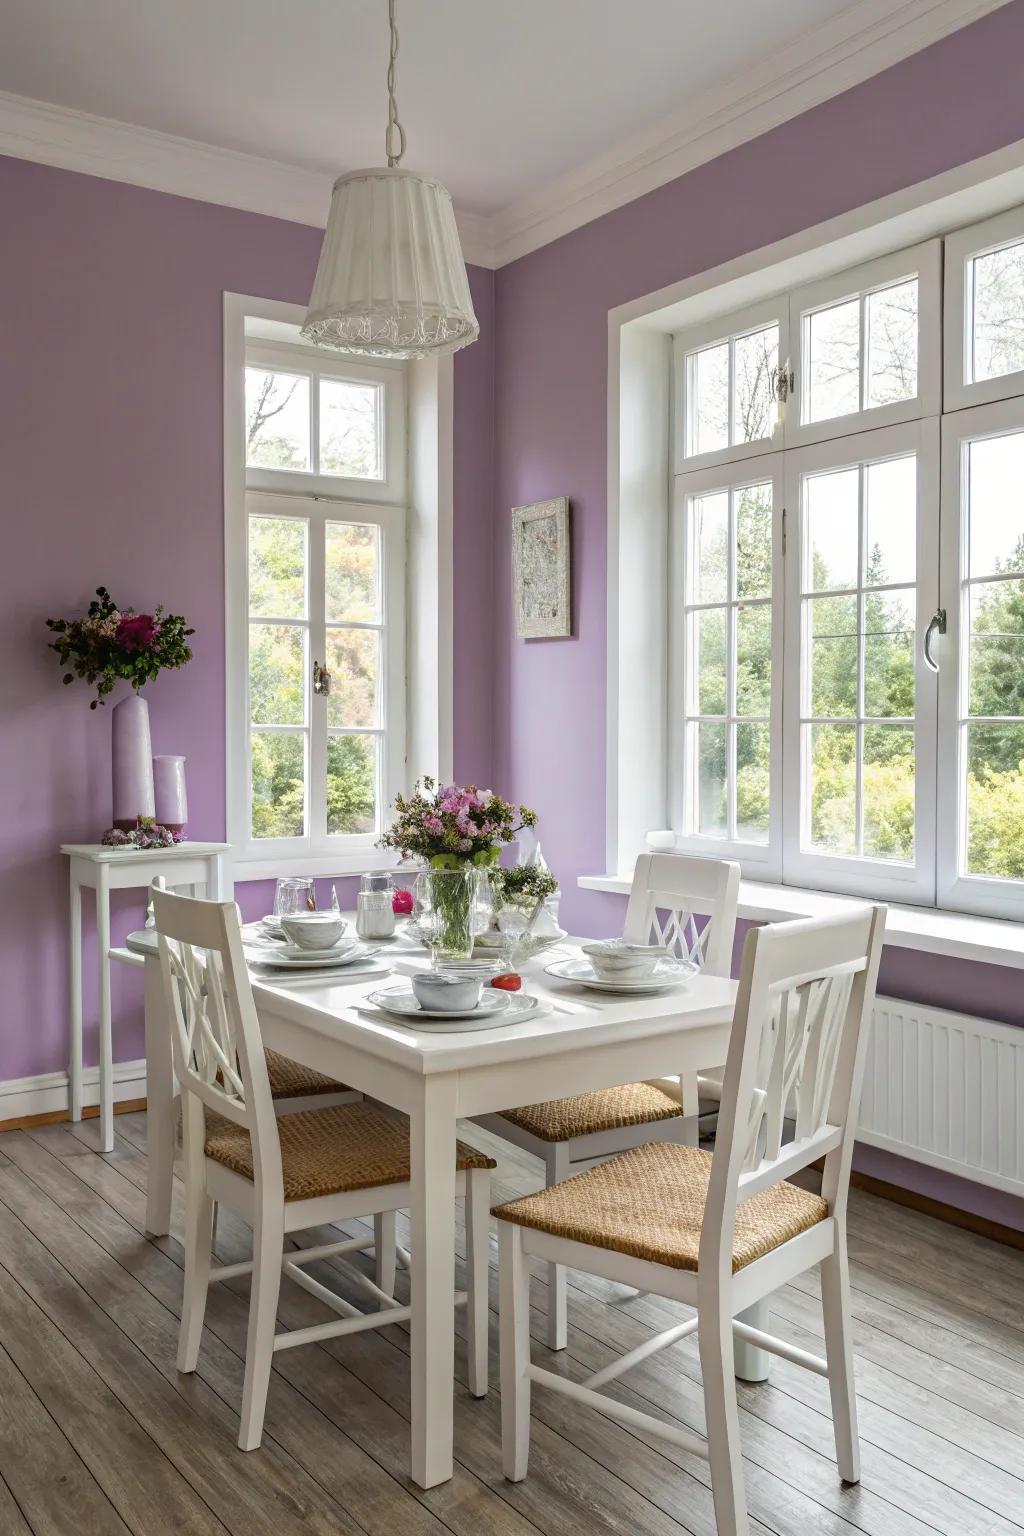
x: 391, y: 281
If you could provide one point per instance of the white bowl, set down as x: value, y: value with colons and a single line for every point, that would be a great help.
x: 618, y: 960
x: 434, y: 990
x: 314, y: 930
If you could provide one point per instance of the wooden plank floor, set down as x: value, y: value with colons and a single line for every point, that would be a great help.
x: 99, y: 1434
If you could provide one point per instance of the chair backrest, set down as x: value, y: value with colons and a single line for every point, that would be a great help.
x: 219, y: 1059
x: 670, y: 892
x: 800, y: 1030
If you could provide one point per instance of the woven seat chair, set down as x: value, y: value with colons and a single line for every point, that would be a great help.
x: 669, y: 892
x: 722, y: 1232
x: 283, y: 1174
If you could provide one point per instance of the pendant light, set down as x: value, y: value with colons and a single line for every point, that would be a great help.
x: 391, y: 280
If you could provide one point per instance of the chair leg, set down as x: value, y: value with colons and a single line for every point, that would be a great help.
x: 514, y: 1340
x: 267, y: 1247
x: 835, y: 1306
x: 557, y: 1169
x: 478, y: 1186
x: 385, y: 1250
x: 199, y: 1211
x: 714, y: 1335
x: 690, y: 1104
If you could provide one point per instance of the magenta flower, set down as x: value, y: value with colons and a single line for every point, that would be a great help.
x: 136, y: 631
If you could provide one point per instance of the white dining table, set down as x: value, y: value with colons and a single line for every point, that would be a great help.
x: 581, y: 1041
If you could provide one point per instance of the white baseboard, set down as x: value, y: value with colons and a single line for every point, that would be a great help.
x: 48, y: 1092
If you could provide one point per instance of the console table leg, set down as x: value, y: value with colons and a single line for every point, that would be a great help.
x: 75, y: 1002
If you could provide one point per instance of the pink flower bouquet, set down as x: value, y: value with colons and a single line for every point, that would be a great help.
x: 451, y: 826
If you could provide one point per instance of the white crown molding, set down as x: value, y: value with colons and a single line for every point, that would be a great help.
x: 865, y: 38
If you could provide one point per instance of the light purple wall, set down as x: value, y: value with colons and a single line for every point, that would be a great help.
x: 947, y: 105
x: 111, y: 392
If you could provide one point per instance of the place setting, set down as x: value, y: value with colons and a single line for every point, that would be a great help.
x: 619, y: 966
x: 452, y: 1002
x: 308, y: 944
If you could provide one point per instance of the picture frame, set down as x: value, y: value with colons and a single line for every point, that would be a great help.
x: 541, y: 587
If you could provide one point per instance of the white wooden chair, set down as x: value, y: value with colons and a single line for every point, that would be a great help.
x: 283, y: 1175
x: 669, y: 893
x: 722, y: 1233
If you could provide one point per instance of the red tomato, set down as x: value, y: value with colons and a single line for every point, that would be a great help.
x: 401, y: 902
x: 509, y: 982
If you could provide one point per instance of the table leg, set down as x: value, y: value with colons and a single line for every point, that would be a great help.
x: 106, y: 1043
x: 161, y: 1106
x: 432, y: 1152
x: 752, y: 1363
x: 75, y: 1002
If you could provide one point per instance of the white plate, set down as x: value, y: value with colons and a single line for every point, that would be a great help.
x: 275, y: 957
x: 339, y: 951
x: 525, y: 948
x: 402, y: 1001
x: 667, y: 974
x: 525, y: 1007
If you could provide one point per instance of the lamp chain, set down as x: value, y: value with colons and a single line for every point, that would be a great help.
x: 394, y: 139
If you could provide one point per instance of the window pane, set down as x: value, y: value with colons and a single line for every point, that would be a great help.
x: 997, y: 648
x: 710, y: 544
x: 889, y: 792
x: 995, y: 801
x: 995, y: 479
x: 353, y: 660
x: 349, y: 435
x: 709, y: 631
x: 833, y: 787
x: 278, y: 783
x: 756, y: 357
x: 276, y: 419
x: 892, y: 344
x: 351, y: 784
x: 832, y: 625
x: 352, y: 572
x: 708, y: 379
x: 831, y: 504
x: 754, y: 541
x: 754, y: 659
x: 712, y: 796
x: 891, y: 494
x: 889, y: 653
x: 833, y: 361
x: 277, y: 567
x: 277, y: 654
x: 998, y: 293
x: 753, y: 778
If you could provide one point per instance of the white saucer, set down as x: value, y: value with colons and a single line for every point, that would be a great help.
x: 667, y: 975
x: 274, y: 956
x: 519, y: 1009
x: 402, y: 1001
x: 339, y: 951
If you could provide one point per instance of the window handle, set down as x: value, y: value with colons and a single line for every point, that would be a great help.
x: 321, y: 680
x: 936, y: 625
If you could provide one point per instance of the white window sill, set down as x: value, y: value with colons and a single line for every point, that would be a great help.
x: 328, y: 866
x: 990, y: 940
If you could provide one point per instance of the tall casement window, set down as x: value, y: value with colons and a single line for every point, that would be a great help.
x: 317, y: 637
x: 847, y: 579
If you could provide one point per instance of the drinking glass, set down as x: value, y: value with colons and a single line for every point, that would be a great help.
x: 293, y: 894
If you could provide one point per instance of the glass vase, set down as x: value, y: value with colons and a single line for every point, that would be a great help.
x: 448, y: 897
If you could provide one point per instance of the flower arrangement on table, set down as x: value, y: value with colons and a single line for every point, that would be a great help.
x: 110, y: 644
x: 450, y: 827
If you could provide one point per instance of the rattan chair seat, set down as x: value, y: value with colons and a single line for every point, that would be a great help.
x: 649, y: 1203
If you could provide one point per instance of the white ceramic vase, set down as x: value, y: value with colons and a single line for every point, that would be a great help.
x: 131, y: 762
x: 169, y: 789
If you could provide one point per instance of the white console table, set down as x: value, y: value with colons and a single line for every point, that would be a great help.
x: 198, y: 866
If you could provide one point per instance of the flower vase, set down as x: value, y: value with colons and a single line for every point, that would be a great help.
x: 169, y: 792
x: 451, y: 893
x: 131, y: 763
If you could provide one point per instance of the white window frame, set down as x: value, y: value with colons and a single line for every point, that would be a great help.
x: 316, y: 512
x: 389, y: 378
x: 921, y: 261
x: 418, y: 568
x: 727, y: 328
x: 960, y: 390
x: 987, y: 895
x: 861, y: 875
x: 765, y: 858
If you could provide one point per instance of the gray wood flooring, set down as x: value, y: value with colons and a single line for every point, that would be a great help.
x: 99, y: 1434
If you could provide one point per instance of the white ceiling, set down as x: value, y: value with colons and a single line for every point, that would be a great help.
x: 498, y: 97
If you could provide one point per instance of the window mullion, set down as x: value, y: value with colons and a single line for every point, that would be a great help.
x: 730, y: 669
x: 316, y: 704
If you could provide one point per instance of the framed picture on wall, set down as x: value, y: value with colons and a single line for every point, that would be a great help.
x: 540, y: 569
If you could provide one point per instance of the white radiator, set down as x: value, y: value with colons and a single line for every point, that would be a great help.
x: 946, y: 1089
